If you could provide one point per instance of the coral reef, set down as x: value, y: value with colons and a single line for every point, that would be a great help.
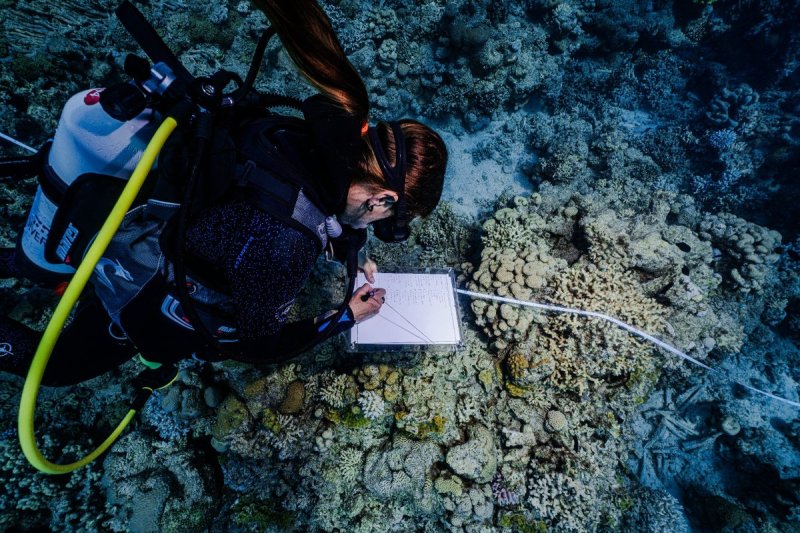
x: 632, y: 158
x: 338, y: 391
x: 750, y: 250
x: 158, y: 487
x: 655, y: 511
x: 32, y: 500
x: 476, y: 459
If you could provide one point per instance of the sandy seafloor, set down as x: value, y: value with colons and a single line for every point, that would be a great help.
x: 637, y: 158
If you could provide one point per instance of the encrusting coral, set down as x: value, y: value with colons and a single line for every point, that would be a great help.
x: 293, y: 402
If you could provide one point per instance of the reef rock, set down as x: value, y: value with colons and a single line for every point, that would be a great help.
x: 157, y: 488
x: 476, y: 459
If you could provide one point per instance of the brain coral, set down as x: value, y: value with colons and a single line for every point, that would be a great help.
x: 556, y: 421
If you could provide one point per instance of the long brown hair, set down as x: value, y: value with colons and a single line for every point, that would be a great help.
x: 308, y: 36
x: 306, y: 33
x: 426, y: 161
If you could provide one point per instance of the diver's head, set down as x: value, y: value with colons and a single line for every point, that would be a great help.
x: 376, y: 193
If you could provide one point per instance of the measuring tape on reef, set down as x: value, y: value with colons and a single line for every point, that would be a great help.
x: 627, y: 327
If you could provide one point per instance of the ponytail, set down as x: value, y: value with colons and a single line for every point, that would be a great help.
x: 308, y: 37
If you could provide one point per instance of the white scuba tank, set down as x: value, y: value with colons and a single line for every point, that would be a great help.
x: 87, y: 141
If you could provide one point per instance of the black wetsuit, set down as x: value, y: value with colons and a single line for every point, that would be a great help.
x: 261, y: 261
x: 264, y: 263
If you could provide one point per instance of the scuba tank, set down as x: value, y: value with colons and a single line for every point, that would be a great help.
x: 92, y: 155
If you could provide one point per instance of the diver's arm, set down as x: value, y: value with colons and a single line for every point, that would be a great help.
x: 265, y: 275
x: 291, y: 338
x: 365, y: 303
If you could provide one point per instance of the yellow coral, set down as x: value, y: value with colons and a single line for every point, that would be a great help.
x: 293, y: 402
x: 517, y: 364
x: 230, y: 416
x: 435, y: 425
x: 269, y: 419
x: 516, y: 391
x: 449, y: 485
x: 256, y: 389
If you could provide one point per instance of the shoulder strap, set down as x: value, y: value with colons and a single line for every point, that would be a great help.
x: 284, y: 200
x: 271, y: 173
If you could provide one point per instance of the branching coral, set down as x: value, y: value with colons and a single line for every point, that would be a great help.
x: 590, y: 351
x: 372, y: 405
x: 565, y: 501
x: 154, y: 486
x: 338, y: 390
x: 350, y: 465
x: 32, y: 501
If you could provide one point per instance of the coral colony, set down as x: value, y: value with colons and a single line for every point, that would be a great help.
x: 632, y: 158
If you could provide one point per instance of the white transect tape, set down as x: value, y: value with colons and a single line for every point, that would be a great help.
x: 629, y: 328
x: 20, y: 144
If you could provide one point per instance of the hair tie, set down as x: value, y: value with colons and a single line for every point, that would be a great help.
x: 364, y: 128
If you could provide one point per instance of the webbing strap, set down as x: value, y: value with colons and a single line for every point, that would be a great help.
x: 280, y: 199
x: 152, y: 44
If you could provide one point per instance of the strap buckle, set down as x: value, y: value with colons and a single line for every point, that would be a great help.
x: 244, y: 175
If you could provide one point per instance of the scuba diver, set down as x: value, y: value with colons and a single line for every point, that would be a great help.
x: 217, y: 281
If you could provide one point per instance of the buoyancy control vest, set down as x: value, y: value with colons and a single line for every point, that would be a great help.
x: 268, y: 161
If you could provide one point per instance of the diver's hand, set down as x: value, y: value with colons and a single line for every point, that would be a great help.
x: 366, y: 302
x: 367, y: 266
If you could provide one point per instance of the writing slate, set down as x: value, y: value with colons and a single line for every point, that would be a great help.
x: 420, y: 312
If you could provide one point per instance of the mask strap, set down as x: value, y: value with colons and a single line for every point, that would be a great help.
x: 395, y: 175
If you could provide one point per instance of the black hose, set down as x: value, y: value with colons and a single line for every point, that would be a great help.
x: 202, y: 135
x: 280, y: 100
x: 17, y: 168
x: 143, y: 33
x: 255, y: 64
x: 258, y: 57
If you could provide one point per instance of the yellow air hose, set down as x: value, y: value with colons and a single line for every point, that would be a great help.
x: 30, y: 391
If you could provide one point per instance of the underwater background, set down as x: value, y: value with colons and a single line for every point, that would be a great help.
x: 636, y: 157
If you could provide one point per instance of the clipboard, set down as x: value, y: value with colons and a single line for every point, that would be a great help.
x: 421, y: 313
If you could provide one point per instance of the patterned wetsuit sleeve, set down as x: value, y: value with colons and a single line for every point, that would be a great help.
x: 265, y: 264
